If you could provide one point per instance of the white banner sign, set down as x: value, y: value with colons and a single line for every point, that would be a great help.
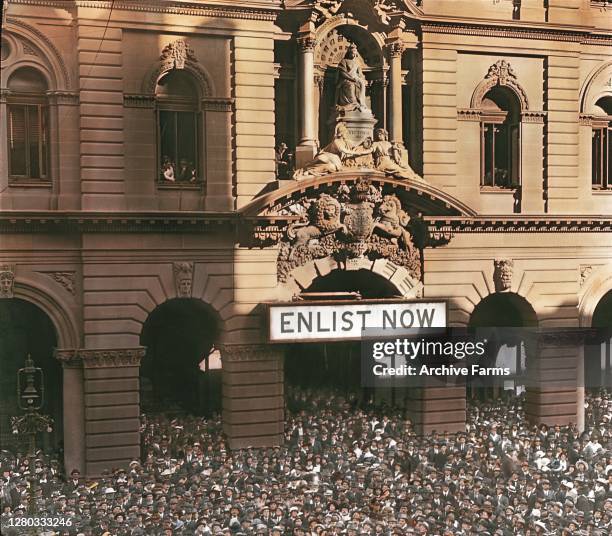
x: 347, y: 321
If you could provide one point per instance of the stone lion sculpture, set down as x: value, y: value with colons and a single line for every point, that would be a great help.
x: 323, y: 219
x: 392, y: 221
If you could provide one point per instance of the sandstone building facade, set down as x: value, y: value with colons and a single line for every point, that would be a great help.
x: 144, y: 191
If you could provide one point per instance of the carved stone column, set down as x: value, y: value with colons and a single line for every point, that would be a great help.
x: 306, y: 148
x: 556, y: 372
x: 4, y: 167
x: 253, y: 395
x: 74, y: 409
x: 395, y: 102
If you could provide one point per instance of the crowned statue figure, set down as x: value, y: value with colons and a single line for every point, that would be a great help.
x: 351, y: 83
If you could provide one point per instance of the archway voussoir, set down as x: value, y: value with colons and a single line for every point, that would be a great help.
x: 305, y: 275
x: 326, y: 265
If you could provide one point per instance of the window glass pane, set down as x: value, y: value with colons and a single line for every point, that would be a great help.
x: 17, y: 141
x: 488, y: 155
x: 502, y: 149
x: 596, y: 156
x: 34, y: 134
x: 167, y: 138
x: 187, y: 139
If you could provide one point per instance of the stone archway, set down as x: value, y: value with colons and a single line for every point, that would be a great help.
x: 301, y: 278
x: 179, y: 336
x: 27, y: 330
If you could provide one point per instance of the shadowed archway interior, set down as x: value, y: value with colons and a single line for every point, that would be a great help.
x: 26, y: 329
x: 598, y: 350
x: 335, y: 366
x: 179, y: 335
x: 500, y: 316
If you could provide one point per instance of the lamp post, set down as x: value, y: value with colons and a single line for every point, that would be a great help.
x: 30, y: 397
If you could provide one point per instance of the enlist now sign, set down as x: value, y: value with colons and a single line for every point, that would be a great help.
x: 335, y: 321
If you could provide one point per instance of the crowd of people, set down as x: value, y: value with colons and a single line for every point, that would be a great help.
x: 343, y: 469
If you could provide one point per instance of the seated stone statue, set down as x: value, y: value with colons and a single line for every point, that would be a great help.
x: 351, y: 84
x: 388, y: 157
x: 331, y: 158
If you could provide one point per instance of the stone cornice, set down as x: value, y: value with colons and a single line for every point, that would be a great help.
x: 265, y: 11
x: 249, y: 352
x: 545, y: 33
x: 116, y: 357
x: 198, y: 222
x: 521, y: 224
x: 217, y: 104
x: 93, y: 222
x: 138, y: 100
x: 107, y: 358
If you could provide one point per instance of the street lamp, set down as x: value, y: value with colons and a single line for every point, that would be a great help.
x: 30, y: 398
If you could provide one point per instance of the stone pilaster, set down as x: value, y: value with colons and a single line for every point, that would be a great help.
x: 102, y: 129
x: 74, y: 409
x: 437, y: 406
x: 253, y: 395
x: 556, y: 373
x: 101, y: 407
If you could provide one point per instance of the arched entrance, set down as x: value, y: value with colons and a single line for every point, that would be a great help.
x: 500, y: 316
x: 598, y: 352
x: 335, y: 366
x: 180, y: 371
x: 26, y: 329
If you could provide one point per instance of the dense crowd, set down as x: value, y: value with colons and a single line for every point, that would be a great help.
x: 342, y: 470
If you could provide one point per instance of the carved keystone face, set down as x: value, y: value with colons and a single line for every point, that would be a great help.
x: 503, y: 275
x: 185, y: 287
x: 6, y: 284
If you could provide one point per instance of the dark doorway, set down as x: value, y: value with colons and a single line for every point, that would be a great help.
x: 336, y: 366
x: 26, y: 329
x: 501, y: 317
x: 598, y: 351
x: 176, y: 373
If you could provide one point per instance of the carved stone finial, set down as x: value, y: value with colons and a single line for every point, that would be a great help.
x: 183, y: 278
x: 179, y: 52
x: 7, y: 280
x: 502, y: 274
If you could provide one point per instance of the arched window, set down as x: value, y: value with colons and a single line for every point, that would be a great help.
x: 28, y: 125
x: 500, y: 139
x: 602, y: 144
x: 179, y: 128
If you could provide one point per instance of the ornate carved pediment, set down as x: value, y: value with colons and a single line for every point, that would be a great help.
x: 178, y: 55
x: 352, y: 219
x: 500, y: 73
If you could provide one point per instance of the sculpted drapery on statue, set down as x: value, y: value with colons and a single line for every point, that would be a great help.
x: 389, y: 157
x: 332, y: 158
x: 351, y: 83
x: 342, y: 154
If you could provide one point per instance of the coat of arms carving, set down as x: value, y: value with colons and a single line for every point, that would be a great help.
x: 349, y: 222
